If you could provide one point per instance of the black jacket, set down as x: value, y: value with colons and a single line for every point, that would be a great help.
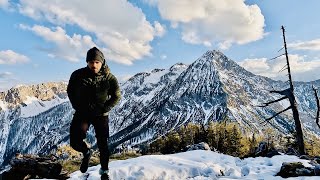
x: 93, y: 94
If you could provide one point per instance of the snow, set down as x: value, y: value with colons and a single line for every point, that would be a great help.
x: 155, y: 76
x: 194, y: 165
x: 3, y: 105
x: 34, y: 106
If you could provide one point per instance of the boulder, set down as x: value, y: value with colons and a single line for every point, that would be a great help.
x: 295, y: 169
x: 31, y: 166
x: 272, y: 153
x: 200, y: 146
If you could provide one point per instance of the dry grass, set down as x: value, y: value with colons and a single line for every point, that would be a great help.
x: 123, y: 156
x: 71, y: 159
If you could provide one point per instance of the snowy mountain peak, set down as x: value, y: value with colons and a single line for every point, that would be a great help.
x: 178, y: 66
x: 221, y: 63
x: 24, y: 94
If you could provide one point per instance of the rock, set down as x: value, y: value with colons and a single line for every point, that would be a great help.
x: 272, y: 153
x: 262, y: 149
x: 31, y: 166
x: 305, y: 172
x: 43, y: 92
x: 292, y: 151
x: 317, y: 170
x: 295, y: 169
x: 200, y: 146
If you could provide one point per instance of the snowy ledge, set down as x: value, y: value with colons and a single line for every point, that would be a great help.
x: 195, y: 165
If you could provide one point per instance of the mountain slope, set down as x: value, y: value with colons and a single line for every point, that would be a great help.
x: 212, y: 88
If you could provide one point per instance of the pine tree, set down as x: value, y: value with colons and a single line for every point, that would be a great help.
x: 172, y: 143
x: 221, y: 141
x: 253, y: 144
x: 211, y: 135
x: 270, y: 137
x: 234, y: 144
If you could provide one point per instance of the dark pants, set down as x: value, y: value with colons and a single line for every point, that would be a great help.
x: 78, y: 130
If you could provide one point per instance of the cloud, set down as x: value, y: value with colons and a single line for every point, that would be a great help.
x: 11, y: 57
x: 313, y: 45
x: 7, y: 81
x: 5, y: 75
x: 120, y: 28
x: 4, y: 4
x: 70, y: 48
x: 301, y: 70
x: 163, y: 56
x: 214, y: 21
x: 160, y: 30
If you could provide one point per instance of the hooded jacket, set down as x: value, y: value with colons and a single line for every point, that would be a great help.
x: 93, y: 94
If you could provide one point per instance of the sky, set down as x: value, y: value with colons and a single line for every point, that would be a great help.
x: 195, y: 165
x: 45, y: 41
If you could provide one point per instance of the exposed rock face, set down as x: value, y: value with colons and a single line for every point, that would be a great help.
x: 43, y: 92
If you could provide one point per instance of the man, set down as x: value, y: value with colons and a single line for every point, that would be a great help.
x: 93, y: 91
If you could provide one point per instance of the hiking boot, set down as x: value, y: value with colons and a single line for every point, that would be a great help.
x: 104, y: 174
x: 85, y: 161
x: 105, y: 177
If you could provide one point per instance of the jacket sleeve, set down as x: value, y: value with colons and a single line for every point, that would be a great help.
x: 114, y: 93
x: 71, y: 90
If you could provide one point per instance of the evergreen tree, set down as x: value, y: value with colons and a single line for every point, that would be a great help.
x: 270, y: 138
x: 211, y: 136
x: 221, y: 139
x: 253, y: 144
x: 172, y: 143
x: 233, y: 141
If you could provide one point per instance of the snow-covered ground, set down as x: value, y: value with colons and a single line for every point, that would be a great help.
x: 194, y: 165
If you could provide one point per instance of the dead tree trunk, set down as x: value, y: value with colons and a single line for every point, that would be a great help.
x: 289, y: 94
x: 293, y: 102
x: 318, y: 106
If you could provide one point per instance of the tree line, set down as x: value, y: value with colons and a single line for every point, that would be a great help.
x: 226, y: 137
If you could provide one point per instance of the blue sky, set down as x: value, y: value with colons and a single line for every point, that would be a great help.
x: 45, y: 41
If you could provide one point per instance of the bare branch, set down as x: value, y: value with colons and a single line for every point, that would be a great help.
x: 267, y: 104
x: 268, y: 119
x: 286, y: 92
x: 276, y: 57
x: 281, y: 49
x: 283, y: 68
x: 318, y: 105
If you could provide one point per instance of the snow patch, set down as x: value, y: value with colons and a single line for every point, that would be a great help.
x: 155, y: 76
x: 33, y: 106
x: 3, y: 105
